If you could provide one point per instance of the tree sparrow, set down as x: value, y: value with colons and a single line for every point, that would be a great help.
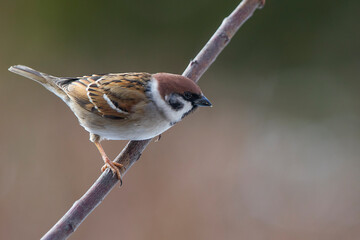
x: 123, y: 106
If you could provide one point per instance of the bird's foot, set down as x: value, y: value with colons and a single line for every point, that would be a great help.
x: 114, y: 167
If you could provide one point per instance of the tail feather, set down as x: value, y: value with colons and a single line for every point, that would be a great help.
x: 44, y: 79
x: 31, y: 73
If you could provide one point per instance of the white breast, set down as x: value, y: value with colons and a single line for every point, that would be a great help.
x: 150, y: 126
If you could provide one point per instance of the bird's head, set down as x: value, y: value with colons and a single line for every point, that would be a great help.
x: 177, y: 96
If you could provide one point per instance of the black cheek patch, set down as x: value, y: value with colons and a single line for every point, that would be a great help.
x: 175, y: 103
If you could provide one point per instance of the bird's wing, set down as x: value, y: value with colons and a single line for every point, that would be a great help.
x: 109, y: 95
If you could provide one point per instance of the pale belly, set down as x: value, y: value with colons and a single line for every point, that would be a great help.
x: 132, y: 131
x: 148, y: 126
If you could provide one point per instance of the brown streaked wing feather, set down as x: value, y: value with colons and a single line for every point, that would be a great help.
x: 100, y: 99
x: 123, y: 90
x: 77, y: 91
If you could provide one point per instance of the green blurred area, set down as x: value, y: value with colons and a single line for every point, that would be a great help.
x: 164, y: 35
x: 306, y: 44
x: 277, y: 157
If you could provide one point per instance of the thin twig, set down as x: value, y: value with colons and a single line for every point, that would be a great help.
x: 133, y: 150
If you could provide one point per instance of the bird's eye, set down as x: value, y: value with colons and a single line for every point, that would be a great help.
x: 187, y: 95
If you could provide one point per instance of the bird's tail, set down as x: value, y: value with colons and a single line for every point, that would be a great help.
x: 31, y: 73
x: 44, y: 79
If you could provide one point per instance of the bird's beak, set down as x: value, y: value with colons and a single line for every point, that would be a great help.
x: 203, y: 102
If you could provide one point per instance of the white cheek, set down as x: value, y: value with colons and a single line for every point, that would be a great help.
x: 172, y: 115
x: 187, y: 107
x: 176, y: 116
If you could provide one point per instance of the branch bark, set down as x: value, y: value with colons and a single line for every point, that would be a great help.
x: 133, y: 150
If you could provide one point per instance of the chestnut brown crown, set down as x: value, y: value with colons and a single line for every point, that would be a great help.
x: 173, y: 83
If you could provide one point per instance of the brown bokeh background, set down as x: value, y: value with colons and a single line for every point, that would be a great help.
x: 277, y: 157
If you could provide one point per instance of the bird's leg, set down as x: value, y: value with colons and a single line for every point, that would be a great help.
x: 114, y: 166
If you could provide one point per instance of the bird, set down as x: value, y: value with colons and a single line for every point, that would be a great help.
x: 123, y: 106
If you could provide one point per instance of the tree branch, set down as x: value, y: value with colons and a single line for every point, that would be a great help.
x: 133, y: 150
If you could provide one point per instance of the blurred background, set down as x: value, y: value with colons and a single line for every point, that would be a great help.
x: 277, y: 157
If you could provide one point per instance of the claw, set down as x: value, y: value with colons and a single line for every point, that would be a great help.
x: 158, y: 138
x: 114, y: 167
